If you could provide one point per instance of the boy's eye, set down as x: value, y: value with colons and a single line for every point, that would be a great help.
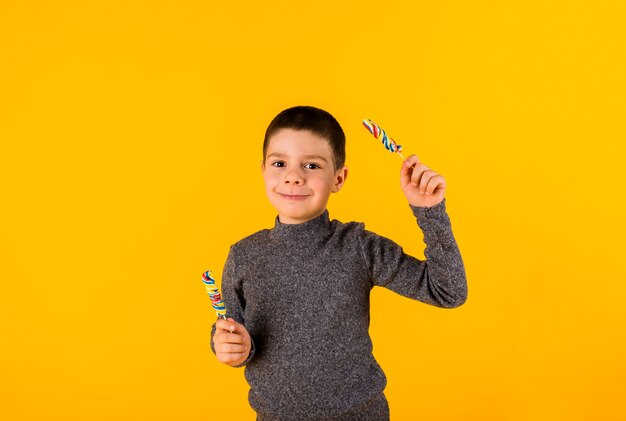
x: 311, y: 166
x: 278, y: 164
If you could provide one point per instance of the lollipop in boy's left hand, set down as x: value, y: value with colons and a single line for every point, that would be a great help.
x: 422, y: 186
x: 379, y: 133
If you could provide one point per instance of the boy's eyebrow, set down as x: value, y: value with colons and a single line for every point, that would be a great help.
x: 280, y: 155
x: 316, y: 157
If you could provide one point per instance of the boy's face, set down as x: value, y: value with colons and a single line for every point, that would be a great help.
x: 299, y: 175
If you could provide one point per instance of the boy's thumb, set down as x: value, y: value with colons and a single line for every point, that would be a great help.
x: 234, y: 323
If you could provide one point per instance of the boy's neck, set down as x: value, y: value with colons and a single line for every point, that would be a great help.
x: 290, y: 221
x: 304, y: 232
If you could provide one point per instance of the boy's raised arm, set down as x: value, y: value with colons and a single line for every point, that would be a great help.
x: 439, y: 280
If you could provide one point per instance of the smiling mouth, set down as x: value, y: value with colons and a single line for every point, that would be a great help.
x: 294, y: 196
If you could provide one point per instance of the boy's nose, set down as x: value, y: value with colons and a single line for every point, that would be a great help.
x: 293, y: 177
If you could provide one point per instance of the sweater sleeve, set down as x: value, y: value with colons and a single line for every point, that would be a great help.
x: 439, y: 280
x: 234, y: 301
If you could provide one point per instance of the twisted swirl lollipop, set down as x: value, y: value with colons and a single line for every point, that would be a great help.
x: 379, y: 133
x: 214, y: 294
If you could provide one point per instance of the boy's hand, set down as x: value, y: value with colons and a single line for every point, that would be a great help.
x: 231, y: 341
x: 422, y: 186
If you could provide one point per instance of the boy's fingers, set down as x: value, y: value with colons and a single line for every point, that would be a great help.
x: 435, y: 182
x: 412, y: 159
x: 418, y: 173
x: 426, y: 177
x: 408, y: 163
x: 229, y: 348
x: 227, y: 337
x: 407, y: 169
x: 229, y: 358
x: 229, y: 325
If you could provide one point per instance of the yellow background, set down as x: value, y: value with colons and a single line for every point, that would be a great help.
x: 131, y: 138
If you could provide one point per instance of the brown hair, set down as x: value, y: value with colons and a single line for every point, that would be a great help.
x: 316, y: 120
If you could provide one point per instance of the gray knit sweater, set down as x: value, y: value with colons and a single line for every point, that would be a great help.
x: 302, y: 291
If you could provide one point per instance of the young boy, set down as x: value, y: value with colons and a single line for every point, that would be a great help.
x: 298, y: 294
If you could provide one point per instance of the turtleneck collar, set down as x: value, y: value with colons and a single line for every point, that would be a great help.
x: 314, y: 228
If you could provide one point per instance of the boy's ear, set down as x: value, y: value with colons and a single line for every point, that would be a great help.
x: 340, y: 179
x: 263, y: 166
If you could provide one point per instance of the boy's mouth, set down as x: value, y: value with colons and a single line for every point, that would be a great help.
x: 294, y: 196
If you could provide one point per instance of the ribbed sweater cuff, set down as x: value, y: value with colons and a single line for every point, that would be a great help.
x: 423, y: 212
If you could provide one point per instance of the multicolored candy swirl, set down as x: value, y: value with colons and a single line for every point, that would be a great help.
x: 379, y: 133
x: 214, y: 294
